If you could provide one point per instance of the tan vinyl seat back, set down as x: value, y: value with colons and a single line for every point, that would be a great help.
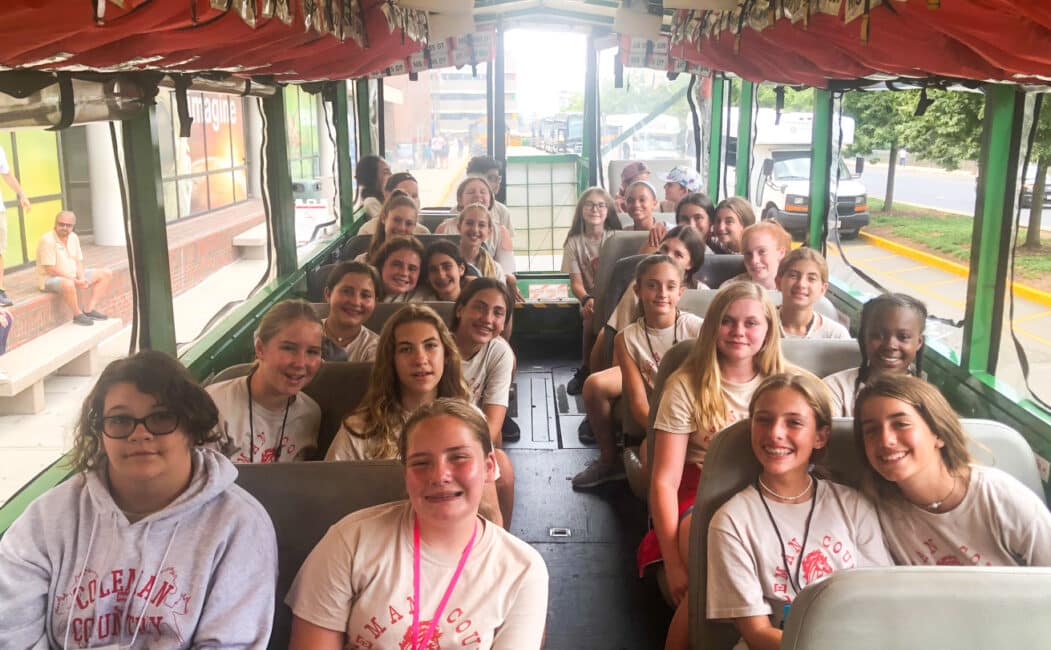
x: 730, y: 466
x: 621, y: 244
x: 233, y: 372
x: 923, y: 607
x: 358, y: 244
x: 304, y: 500
x: 718, y: 269
x: 316, y: 282
x: 385, y: 310
x: 697, y: 301
x: 822, y: 356
x: 337, y: 388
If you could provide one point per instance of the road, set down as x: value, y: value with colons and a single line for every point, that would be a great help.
x: 932, y: 188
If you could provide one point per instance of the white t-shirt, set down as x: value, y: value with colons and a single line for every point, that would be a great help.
x: 820, y: 328
x: 363, y: 346
x: 359, y: 579
x: 369, y: 228
x: 677, y: 413
x: 624, y: 313
x: 50, y: 251
x: 300, y: 428
x: 842, y: 387
x: 347, y: 446
x: 580, y: 255
x: 1000, y: 522
x: 488, y: 373
x: 648, y: 360
x: 416, y: 295
x: 5, y: 168
x: 746, y: 568
x: 372, y: 207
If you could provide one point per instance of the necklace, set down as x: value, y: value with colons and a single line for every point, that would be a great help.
x: 341, y: 340
x: 251, y: 425
x: 784, y: 498
x: 806, y: 534
x: 934, y: 505
x: 649, y: 343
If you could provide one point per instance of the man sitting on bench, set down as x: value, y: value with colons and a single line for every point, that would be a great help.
x: 60, y: 265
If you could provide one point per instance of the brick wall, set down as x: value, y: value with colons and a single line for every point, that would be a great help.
x: 197, y: 248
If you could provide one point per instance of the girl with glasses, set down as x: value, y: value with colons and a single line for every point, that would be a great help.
x: 594, y: 221
x: 146, y: 544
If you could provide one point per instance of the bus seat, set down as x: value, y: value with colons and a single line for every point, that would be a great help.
x: 233, y: 372
x: 321, y: 309
x: 433, y: 217
x: 730, y: 466
x: 385, y: 310
x: 822, y: 356
x: 355, y: 246
x: 316, y: 282
x: 717, y: 269
x: 337, y: 388
x: 621, y: 244
x: 620, y: 281
x: 358, y: 244
x: 304, y: 500
x: 923, y: 607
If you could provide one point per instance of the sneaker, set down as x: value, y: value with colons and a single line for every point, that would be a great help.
x: 636, y: 473
x: 575, y: 386
x: 510, y: 432
x: 96, y: 315
x: 597, y: 472
x: 83, y: 319
x: 5, y: 300
x: 586, y: 435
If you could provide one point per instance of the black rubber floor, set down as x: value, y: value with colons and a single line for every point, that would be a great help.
x: 587, y: 538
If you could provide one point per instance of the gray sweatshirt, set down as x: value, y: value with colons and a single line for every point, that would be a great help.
x: 74, y: 573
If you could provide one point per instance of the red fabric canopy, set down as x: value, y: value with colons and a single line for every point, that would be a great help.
x: 985, y: 40
x: 59, y: 34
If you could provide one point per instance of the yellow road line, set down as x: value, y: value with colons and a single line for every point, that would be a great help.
x: 1036, y: 337
x: 942, y: 282
x: 907, y: 270
x: 1037, y: 316
x: 1020, y: 290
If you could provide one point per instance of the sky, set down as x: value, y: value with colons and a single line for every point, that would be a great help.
x: 547, y: 64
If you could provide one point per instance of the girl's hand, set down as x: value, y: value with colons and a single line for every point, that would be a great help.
x: 657, y: 233
x: 678, y: 580
x: 589, y: 308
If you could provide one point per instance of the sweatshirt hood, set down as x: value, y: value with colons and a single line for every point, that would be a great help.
x: 212, y: 473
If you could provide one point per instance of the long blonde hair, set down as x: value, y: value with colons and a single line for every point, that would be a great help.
x: 701, y: 368
x: 381, y: 408
x: 485, y: 263
x: 397, y: 199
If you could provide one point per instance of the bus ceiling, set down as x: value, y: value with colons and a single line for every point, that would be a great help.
x: 831, y: 44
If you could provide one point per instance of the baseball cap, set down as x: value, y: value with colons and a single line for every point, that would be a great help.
x: 631, y: 170
x: 683, y: 175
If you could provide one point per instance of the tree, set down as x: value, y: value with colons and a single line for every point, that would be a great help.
x: 1042, y: 156
x: 951, y: 129
x: 880, y: 119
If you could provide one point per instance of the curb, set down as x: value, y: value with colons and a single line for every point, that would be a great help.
x: 1021, y: 290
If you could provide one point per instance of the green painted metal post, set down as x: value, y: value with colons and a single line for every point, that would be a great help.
x: 820, y: 169
x: 364, y: 109
x: 279, y: 185
x: 589, y: 143
x: 341, y: 120
x: 991, y: 238
x: 149, y: 233
x: 744, y: 138
x: 715, y: 137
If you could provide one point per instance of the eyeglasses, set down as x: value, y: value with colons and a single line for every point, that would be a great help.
x: 493, y: 176
x: 64, y: 225
x: 589, y: 205
x: 160, y: 423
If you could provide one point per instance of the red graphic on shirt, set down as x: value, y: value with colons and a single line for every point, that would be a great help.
x: 407, y: 642
x: 949, y: 560
x: 815, y: 566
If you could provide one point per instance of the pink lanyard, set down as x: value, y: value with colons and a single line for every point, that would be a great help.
x: 433, y: 627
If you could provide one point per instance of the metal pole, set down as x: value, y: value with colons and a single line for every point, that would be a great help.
x: 715, y: 137
x: 381, y: 118
x: 589, y: 144
x: 991, y: 237
x: 744, y: 138
x: 499, y: 106
x: 345, y: 178
x: 279, y: 185
x: 820, y: 169
x: 149, y: 233
x: 361, y: 97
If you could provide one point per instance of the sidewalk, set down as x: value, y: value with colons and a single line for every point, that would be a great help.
x: 29, y: 443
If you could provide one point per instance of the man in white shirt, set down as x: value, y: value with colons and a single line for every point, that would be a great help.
x: 60, y: 269
x: 12, y: 182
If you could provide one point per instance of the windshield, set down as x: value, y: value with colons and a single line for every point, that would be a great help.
x: 798, y: 169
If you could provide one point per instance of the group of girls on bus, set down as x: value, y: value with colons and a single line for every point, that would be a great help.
x: 351, y: 292
x: 146, y: 545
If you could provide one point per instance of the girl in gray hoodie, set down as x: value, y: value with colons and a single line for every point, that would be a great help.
x: 150, y: 544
